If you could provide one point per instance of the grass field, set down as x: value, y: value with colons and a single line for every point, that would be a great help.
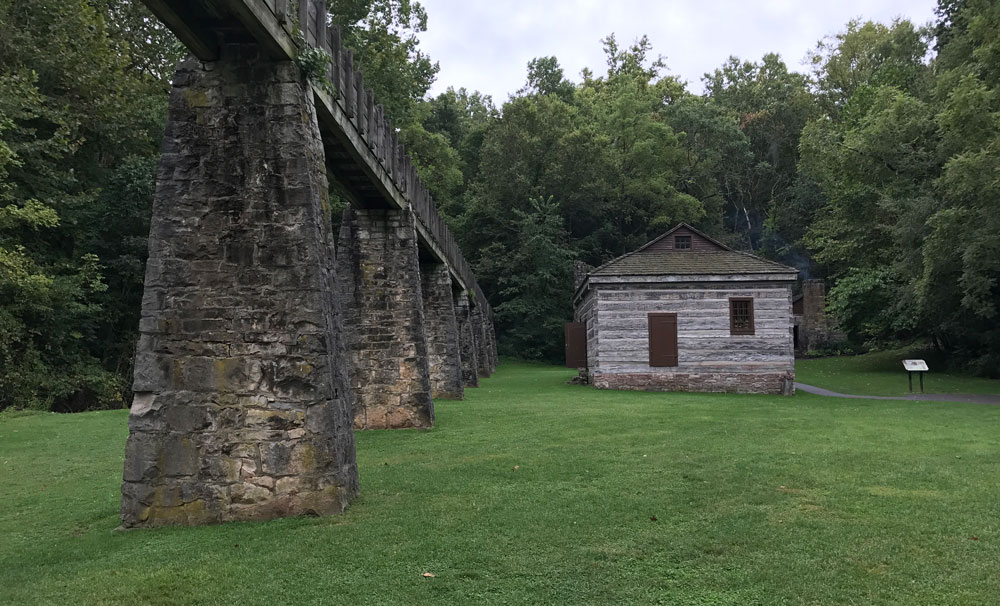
x: 536, y: 492
x: 882, y: 374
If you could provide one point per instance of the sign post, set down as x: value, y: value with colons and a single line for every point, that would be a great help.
x: 915, y: 366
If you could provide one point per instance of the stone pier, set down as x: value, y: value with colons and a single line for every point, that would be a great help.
x: 467, y: 342
x: 380, y: 282
x: 491, y: 335
x: 242, y: 406
x: 482, y: 344
x: 443, y: 349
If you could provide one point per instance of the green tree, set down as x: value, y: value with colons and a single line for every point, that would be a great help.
x: 959, y: 287
x: 383, y: 36
x: 437, y: 163
x: 545, y: 77
x: 712, y: 145
x: 152, y: 49
x: 771, y: 106
x: 79, y: 105
x: 463, y: 118
x: 532, y: 280
x: 871, y: 55
x: 639, y: 166
x: 907, y: 156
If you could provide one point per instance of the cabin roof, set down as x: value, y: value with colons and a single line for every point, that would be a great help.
x: 707, y: 263
x: 650, y: 260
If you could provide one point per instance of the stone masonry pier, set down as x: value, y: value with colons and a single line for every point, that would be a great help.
x: 380, y: 276
x: 263, y: 342
x: 242, y: 406
x: 466, y: 340
x: 443, y: 348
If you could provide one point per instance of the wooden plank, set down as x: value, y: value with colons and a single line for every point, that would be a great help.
x: 321, y: 26
x: 692, y: 360
x: 309, y: 25
x: 262, y: 24
x: 694, y: 368
x: 372, y: 123
x: 411, y: 179
x: 396, y: 153
x: 687, y: 324
x: 336, y: 62
x: 350, y: 98
x: 304, y: 17
x: 404, y: 171
x: 378, y: 129
x: 361, y: 108
x: 722, y: 305
x: 383, y: 135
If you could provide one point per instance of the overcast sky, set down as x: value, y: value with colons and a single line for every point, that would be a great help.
x: 485, y: 45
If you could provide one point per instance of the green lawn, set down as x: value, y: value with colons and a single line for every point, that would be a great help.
x: 535, y: 492
x: 882, y: 374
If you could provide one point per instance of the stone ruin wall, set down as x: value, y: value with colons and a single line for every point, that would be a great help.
x: 816, y: 329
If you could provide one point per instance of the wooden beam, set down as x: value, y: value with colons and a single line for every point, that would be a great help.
x: 263, y: 26
x: 202, y: 43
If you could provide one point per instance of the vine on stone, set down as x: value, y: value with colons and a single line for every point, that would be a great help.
x: 313, y: 62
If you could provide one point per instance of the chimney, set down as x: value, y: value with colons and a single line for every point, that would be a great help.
x: 814, y: 301
x: 580, y: 271
x: 814, y: 329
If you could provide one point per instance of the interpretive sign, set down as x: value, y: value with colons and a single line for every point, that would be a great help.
x: 915, y: 366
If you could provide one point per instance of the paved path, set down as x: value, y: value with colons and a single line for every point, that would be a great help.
x: 922, y: 397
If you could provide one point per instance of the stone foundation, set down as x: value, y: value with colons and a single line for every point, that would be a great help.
x: 242, y: 408
x: 445, y: 364
x: 380, y: 267
x: 765, y: 383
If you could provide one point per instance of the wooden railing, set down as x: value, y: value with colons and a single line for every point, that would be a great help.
x: 308, y: 20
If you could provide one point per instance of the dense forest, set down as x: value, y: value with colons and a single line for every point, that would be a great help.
x: 878, y: 170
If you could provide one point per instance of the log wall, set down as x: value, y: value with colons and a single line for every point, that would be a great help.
x: 710, y: 358
x: 587, y: 312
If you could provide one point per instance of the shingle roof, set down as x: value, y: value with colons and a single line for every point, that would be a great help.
x: 654, y: 263
x: 724, y: 260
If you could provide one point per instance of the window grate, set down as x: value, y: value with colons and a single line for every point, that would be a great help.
x: 741, y: 316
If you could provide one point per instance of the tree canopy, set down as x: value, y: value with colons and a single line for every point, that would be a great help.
x: 875, y: 169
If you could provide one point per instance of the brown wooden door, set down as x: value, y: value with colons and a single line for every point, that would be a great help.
x: 576, y: 344
x: 662, y: 339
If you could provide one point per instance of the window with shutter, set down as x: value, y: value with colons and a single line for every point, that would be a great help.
x: 741, y: 316
x: 662, y: 339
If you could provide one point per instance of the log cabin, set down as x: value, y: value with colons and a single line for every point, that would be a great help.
x: 685, y: 313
